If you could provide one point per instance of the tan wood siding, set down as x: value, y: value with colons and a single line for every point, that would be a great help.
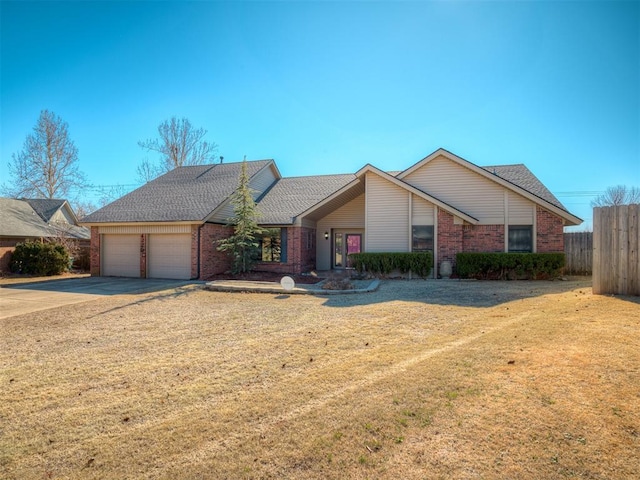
x: 262, y: 181
x: 422, y: 211
x: 131, y: 229
x: 62, y: 216
x: 259, y: 183
x: 520, y: 210
x: 387, y: 216
x: 462, y: 188
x: 349, y: 217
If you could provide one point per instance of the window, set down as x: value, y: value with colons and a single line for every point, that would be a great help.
x: 273, y: 245
x: 422, y: 238
x: 520, y: 238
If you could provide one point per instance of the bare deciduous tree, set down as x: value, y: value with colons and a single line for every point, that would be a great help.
x: 47, y: 165
x: 618, y: 195
x: 179, y: 144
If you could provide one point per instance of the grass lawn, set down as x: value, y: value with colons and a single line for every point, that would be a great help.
x: 420, y: 380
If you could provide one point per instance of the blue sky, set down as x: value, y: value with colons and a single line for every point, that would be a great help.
x: 326, y: 87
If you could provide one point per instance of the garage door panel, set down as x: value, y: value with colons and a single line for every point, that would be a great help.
x: 169, y: 256
x: 121, y: 255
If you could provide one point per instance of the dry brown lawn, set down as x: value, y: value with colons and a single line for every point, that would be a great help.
x: 420, y: 380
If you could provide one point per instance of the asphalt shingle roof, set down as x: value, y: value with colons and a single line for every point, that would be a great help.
x: 289, y: 197
x: 45, y: 207
x: 184, y: 194
x: 520, y: 175
x: 192, y: 193
x: 18, y: 218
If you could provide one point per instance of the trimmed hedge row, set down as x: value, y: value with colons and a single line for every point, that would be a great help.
x: 510, y: 266
x: 419, y: 263
x: 37, y: 258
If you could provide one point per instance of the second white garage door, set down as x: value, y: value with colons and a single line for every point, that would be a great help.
x: 169, y: 256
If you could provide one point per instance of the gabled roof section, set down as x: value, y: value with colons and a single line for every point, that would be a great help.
x: 18, y: 218
x: 517, y: 178
x: 430, y: 198
x: 45, y: 207
x: 289, y: 197
x: 185, y: 194
x: 522, y: 177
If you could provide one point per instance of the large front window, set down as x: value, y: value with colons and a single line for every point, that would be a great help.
x: 520, y: 238
x: 422, y: 238
x: 273, y: 245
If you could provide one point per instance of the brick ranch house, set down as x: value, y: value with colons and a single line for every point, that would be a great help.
x: 168, y: 228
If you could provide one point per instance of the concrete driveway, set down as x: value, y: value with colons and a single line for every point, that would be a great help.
x: 24, y: 298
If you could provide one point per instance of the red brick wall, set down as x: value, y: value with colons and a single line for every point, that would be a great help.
x: 94, y: 261
x: 212, y: 262
x: 450, y: 238
x: 143, y: 255
x: 549, y: 232
x: 301, y: 253
x: 7, y: 246
x: 483, y: 238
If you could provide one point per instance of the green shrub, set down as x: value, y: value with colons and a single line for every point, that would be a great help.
x: 383, y: 263
x: 502, y: 266
x: 37, y: 258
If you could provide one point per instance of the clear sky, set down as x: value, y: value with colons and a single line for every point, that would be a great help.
x: 326, y: 87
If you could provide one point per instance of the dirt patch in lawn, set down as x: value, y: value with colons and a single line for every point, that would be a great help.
x: 421, y: 379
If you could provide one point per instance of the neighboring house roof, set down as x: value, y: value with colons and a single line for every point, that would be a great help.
x: 289, y: 197
x: 45, y: 207
x: 18, y: 218
x: 185, y: 194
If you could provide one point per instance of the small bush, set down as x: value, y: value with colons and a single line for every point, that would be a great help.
x: 509, y: 266
x: 419, y: 263
x: 338, y: 282
x: 37, y: 258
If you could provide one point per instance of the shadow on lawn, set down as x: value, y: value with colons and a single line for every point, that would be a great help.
x: 102, y: 285
x: 478, y: 294
x: 167, y: 295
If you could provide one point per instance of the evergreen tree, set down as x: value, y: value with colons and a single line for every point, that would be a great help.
x: 243, y: 245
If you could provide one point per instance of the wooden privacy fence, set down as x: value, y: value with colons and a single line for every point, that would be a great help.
x: 616, y: 240
x: 578, y: 253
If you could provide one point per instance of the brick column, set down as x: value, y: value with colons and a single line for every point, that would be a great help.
x: 94, y: 256
x: 549, y: 232
x: 449, y: 238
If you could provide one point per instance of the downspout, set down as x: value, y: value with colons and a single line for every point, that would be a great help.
x: 199, y: 236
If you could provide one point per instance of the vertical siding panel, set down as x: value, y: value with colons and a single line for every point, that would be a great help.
x: 387, y: 216
x: 520, y: 210
x: 468, y: 191
x: 422, y: 211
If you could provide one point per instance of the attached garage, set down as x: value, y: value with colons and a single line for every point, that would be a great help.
x: 120, y: 255
x: 169, y: 256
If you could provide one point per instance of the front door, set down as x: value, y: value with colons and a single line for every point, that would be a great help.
x: 344, y: 244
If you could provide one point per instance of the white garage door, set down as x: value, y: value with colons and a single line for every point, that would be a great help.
x: 169, y: 256
x: 121, y: 255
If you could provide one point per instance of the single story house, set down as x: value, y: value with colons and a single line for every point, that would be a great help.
x: 36, y: 219
x: 168, y: 228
